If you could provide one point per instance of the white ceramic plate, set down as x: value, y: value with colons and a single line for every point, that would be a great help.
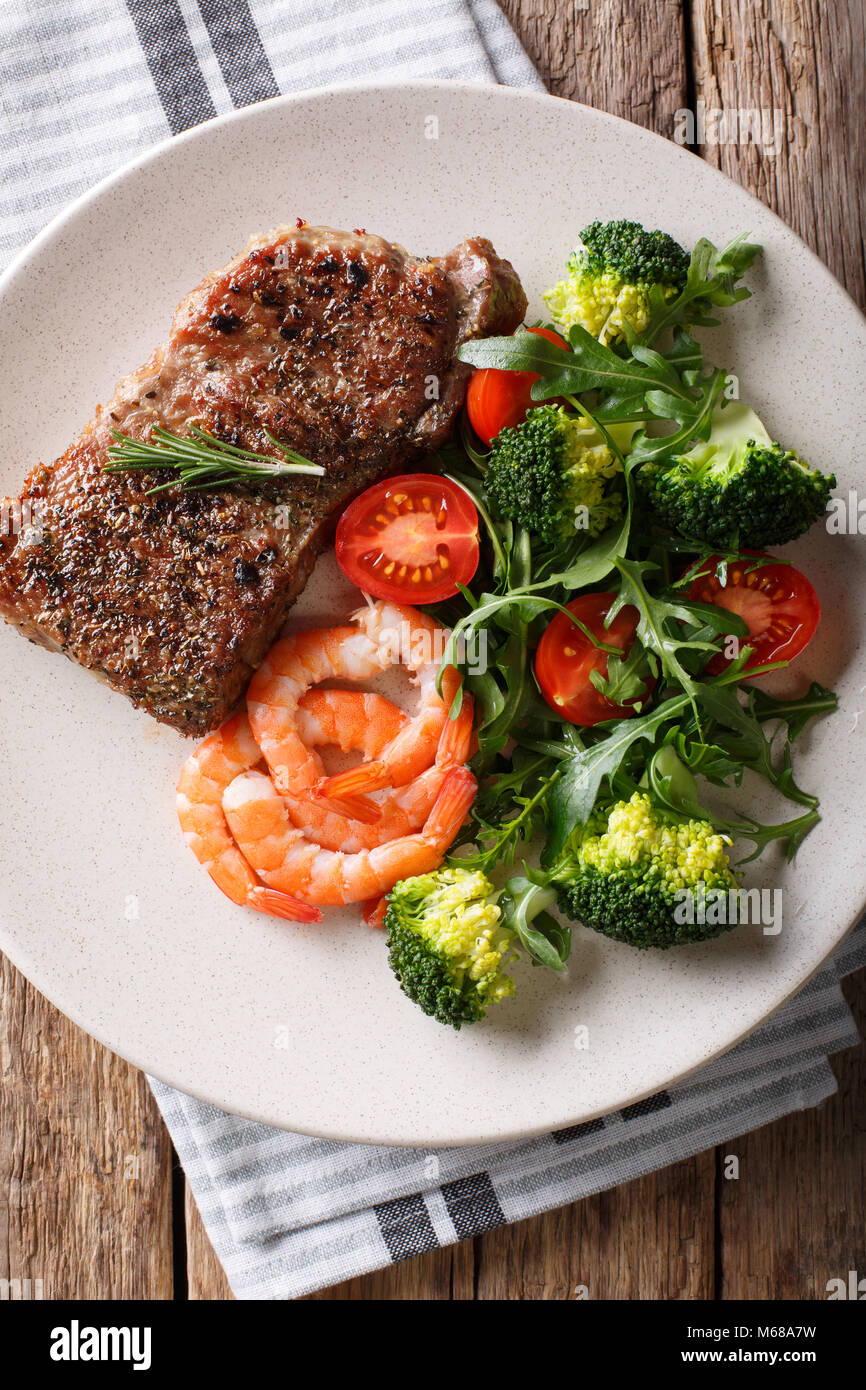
x: 101, y: 904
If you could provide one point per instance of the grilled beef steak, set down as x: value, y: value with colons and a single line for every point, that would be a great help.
x: 342, y: 346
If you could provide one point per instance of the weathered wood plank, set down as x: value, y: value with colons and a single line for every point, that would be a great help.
x: 438, y: 1277
x: 804, y: 67
x: 793, y: 1220
x: 652, y: 1238
x: 621, y: 56
x: 85, y: 1162
x: 205, y: 1275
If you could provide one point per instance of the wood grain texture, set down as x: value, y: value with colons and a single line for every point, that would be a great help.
x: 804, y: 65
x: 85, y: 1161
x: 618, y: 55
x: 205, y: 1275
x: 442, y: 1276
x: 651, y: 1238
x: 794, y: 1218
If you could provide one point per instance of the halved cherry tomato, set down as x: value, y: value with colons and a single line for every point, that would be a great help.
x: 496, y: 399
x: 565, y: 657
x: 410, y: 539
x: 776, y: 601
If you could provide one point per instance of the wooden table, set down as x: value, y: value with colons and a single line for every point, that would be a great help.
x: 92, y: 1201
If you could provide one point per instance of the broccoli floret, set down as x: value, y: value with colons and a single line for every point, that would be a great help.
x: 639, y: 256
x: 737, y: 489
x: 610, y: 277
x: 631, y: 871
x: 556, y: 475
x: 446, y: 944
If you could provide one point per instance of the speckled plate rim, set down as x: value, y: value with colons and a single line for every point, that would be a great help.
x: 29, y: 964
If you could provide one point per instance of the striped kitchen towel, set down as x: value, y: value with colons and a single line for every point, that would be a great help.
x: 85, y: 85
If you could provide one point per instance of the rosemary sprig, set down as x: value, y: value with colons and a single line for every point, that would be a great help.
x: 202, y: 460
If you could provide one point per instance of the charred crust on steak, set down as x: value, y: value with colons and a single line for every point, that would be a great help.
x: 226, y: 322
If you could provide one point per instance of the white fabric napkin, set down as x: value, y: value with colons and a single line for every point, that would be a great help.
x: 85, y: 85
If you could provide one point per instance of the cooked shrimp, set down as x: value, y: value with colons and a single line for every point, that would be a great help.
x: 403, y: 809
x: 383, y: 634
x: 290, y: 668
x: 455, y: 746
x: 417, y: 642
x: 204, y: 777
x: 352, y: 720
x: 285, y: 859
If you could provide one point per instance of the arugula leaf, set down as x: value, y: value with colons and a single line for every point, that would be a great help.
x: 499, y: 842
x: 711, y: 282
x: 524, y: 902
x: 669, y: 627
x: 557, y: 933
x: 696, y: 423
x: 673, y: 783
x: 512, y: 609
x: 742, y: 736
x: 626, y: 402
x: 644, y: 385
x: 489, y: 704
x: 707, y: 760
x: 476, y: 494
x: 675, y: 786
x: 512, y: 662
x: 591, y: 562
x: 627, y: 676
x: 686, y: 354
x: 588, y: 366
x: 796, y: 713
x: 573, y: 796
x: 791, y: 832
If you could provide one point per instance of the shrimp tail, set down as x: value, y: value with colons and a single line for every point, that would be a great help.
x: 453, y: 749
x: 451, y: 807
x: 366, y: 777
x: 373, y: 911
x: 455, y: 741
x: 284, y: 905
x: 355, y: 808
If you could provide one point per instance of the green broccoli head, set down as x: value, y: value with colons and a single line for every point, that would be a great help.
x: 446, y: 944
x: 739, y: 488
x: 635, y: 873
x: 556, y: 475
x: 610, y: 278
